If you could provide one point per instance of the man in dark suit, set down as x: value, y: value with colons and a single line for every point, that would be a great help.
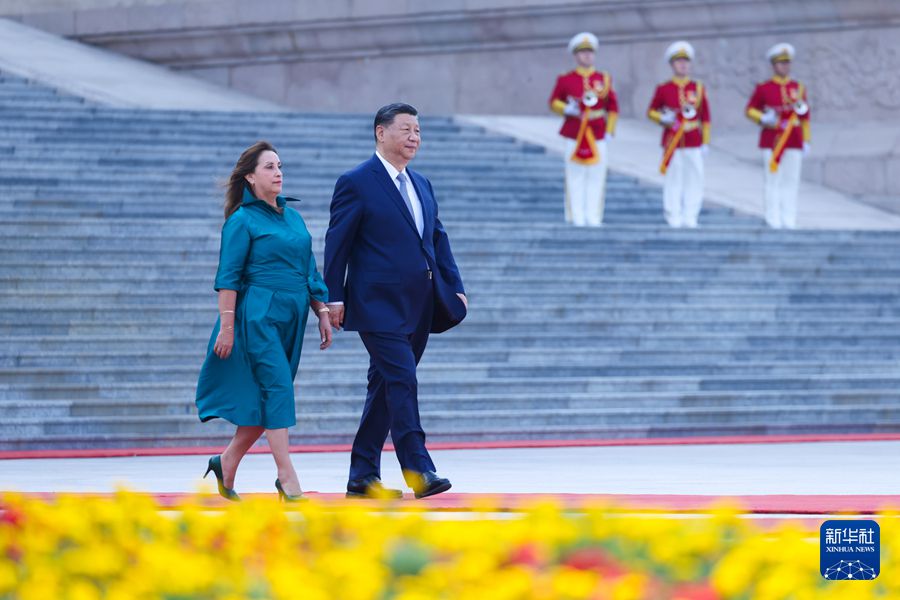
x: 392, y: 278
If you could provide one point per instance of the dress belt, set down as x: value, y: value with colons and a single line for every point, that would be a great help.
x: 297, y: 286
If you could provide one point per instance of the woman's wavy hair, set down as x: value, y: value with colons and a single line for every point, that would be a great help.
x: 246, y: 164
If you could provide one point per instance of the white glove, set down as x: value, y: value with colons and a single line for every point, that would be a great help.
x: 768, y: 118
x: 667, y: 118
x: 704, y: 149
x: 573, y: 108
x: 806, y: 148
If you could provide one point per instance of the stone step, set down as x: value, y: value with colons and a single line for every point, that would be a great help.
x: 109, y: 291
x: 92, y: 116
x: 202, y: 270
x: 599, y: 325
x: 467, y: 338
x: 635, y: 248
x: 187, y: 315
x: 126, y: 408
x: 456, y: 371
x: 511, y: 297
x: 209, y: 438
x: 670, y: 300
x: 460, y: 214
x: 344, y: 423
x: 297, y: 159
x: 595, y: 355
x: 535, y: 238
x: 202, y: 253
x: 537, y: 232
x: 95, y: 142
x: 184, y: 389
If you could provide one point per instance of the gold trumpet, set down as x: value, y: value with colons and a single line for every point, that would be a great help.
x: 590, y: 98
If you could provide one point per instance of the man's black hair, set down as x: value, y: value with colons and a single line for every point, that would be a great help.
x: 386, y: 114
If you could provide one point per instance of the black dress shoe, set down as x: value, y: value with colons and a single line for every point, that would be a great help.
x: 370, y: 487
x: 427, y: 484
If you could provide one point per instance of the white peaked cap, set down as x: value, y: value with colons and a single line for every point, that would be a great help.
x: 680, y: 49
x: 584, y: 41
x: 780, y: 51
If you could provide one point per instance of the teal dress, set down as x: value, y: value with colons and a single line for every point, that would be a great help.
x: 267, y: 258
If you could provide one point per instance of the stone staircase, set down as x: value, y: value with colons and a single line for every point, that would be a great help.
x: 109, y: 229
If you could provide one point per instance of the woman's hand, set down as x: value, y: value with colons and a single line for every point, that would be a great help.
x: 325, y: 333
x: 224, y: 343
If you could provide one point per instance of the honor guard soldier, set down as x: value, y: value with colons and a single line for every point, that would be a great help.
x: 780, y: 107
x: 586, y: 100
x: 680, y: 106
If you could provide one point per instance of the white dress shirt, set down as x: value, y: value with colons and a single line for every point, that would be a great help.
x: 410, y: 190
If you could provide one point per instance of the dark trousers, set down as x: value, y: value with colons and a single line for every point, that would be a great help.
x: 392, y: 403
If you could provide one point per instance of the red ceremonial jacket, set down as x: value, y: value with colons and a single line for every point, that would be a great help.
x: 780, y: 94
x: 673, y: 95
x: 602, y: 116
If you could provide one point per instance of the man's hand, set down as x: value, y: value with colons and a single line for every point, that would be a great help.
x: 573, y: 108
x: 667, y: 118
x: 336, y: 315
x: 465, y: 301
x: 768, y: 118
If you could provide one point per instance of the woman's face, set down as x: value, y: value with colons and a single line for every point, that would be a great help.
x: 266, y: 179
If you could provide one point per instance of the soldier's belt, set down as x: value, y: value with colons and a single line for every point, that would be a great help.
x: 600, y: 113
x: 690, y: 125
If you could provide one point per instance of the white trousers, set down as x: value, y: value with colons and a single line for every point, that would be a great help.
x: 683, y: 188
x: 585, y: 188
x: 781, y: 188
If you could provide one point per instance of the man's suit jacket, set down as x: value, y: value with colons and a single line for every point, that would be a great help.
x: 375, y: 261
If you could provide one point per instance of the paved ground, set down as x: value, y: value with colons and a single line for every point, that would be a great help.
x: 817, y: 468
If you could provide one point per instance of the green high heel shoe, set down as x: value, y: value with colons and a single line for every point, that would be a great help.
x: 285, y: 497
x: 215, y: 465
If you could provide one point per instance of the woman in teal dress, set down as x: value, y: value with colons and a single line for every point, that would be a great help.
x: 267, y: 282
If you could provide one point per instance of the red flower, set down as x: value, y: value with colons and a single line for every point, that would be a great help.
x: 595, y: 559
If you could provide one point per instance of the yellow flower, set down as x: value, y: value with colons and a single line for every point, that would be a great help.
x: 574, y: 583
x: 7, y: 577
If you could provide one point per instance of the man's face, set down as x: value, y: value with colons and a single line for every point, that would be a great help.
x: 584, y: 58
x: 401, y: 137
x: 782, y: 68
x: 681, y: 67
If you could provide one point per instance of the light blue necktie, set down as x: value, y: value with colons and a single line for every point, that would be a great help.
x: 401, y: 179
